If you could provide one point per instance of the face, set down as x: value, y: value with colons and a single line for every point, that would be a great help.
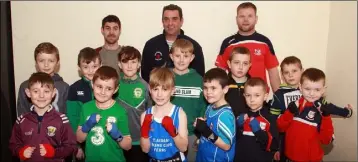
x: 291, y: 74
x: 88, y: 70
x: 255, y: 96
x: 172, y: 22
x: 181, y: 60
x: 246, y: 19
x: 239, y: 65
x: 103, y: 90
x: 46, y: 63
x: 213, y: 91
x: 129, y: 68
x: 41, y: 96
x: 111, y: 32
x: 312, y: 91
x: 161, y: 95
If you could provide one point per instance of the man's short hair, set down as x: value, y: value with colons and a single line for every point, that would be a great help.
x: 43, y: 78
x: 217, y: 74
x: 88, y: 55
x: 110, y: 19
x: 48, y: 48
x: 246, y: 5
x: 173, y: 7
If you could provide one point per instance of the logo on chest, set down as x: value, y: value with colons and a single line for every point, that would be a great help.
x: 29, y: 133
x: 80, y: 93
x: 257, y: 52
x: 137, y: 92
x: 262, y: 125
x: 311, y: 114
x: 111, y: 119
x: 158, y: 56
x: 51, y: 131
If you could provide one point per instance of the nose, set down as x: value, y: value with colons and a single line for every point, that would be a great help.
x: 310, y: 93
x: 42, y: 94
x: 290, y: 74
x: 159, y: 93
x: 102, y: 92
x: 46, y: 63
x: 241, y: 66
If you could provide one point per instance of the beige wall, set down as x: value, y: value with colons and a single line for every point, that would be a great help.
x: 303, y: 29
x: 341, y: 70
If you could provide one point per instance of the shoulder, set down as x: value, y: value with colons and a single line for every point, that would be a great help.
x: 98, y: 49
x: 24, y: 84
x: 60, y: 116
x: 91, y: 103
x: 229, y: 39
x: 154, y: 39
x: 195, y: 43
x: 22, y: 117
x: 262, y: 38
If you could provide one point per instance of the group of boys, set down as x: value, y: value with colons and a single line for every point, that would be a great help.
x: 177, y: 116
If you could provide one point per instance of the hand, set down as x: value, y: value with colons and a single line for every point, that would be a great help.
x: 168, y: 125
x: 26, y: 152
x: 47, y: 150
x: 144, y: 130
x: 80, y: 154
x: 292, y: 107
x: 349, y: 107
x: 254, y: 124
x: 205, y: 131
x: 276, y: 156
x: 241, y: 119
x: 113, y: 131
x: 91, y: 122
x: 194, y: 124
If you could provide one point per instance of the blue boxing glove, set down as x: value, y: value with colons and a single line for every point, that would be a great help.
x: 240, y: 120
x: 255, y: 125
x: 90, y: 123
x: 115, y: 133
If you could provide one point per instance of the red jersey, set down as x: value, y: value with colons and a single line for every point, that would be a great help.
x: 305, y: 132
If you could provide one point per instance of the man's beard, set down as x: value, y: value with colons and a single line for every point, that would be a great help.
x: 250, y: 28
x: 111, y: 41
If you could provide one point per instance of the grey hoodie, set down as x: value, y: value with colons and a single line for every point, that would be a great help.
x: 59, y: 101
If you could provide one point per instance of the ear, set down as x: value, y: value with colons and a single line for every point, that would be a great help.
x: 119, y: 65
x: 115, y: 91
x: 257, y: 18
x: 171, y: 56
x: 182, y: 21
x: 192, y: 57
x: 172, y: 91
x: 300, y: 87
x: 28, y: 94
x: 228, y: 63
x: 102, y: 31
x: 226, y: 89
x: 266, y: 96
x: 54, y: 92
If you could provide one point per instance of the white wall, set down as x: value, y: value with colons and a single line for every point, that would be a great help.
x: 304, y: 29
x: 342, y: 77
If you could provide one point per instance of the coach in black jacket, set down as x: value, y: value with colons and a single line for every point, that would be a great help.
x: 156, y: 50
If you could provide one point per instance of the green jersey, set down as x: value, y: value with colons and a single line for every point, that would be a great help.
x: 189, y: 95
x: 99, y: 144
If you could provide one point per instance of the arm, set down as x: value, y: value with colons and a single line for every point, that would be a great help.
x: 268, y: 138
x: 181, y: 140
x: 73, y: 109
x: 203, y: 105
x: 81, y: 136
x: 222, y: 57
x: 16, y: 143
x: 144, y: 142
x: 198, y: 62
x: 274, y: 78
x: 145, y: 66
x: 271, y: 64
x: 277, y: 106
x: 284, y: 121
x: 64, y: 99
x: 68, y: 141
x: 126, y: 143
x: 23, y: 104
x: 326, y: 130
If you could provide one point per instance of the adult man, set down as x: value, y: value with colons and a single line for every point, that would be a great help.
x: 111, y: 29
x: 261, y: 49
x: 156, y: 50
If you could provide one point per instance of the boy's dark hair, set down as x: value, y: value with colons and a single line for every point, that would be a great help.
x: 182, y: 44
x: 313, y: 74
x: 48, y: 48
x: 173, y: 7
x: 256, y: 81
x: 43, y: 78
x: 291, y: 60
x: 106, y: 73
x: 217, y: 74
x: 161, y: 76
x: 246, y: 5
x: 88, y: 55
x: 110, y: 19
x: 239, y: 50
x: 129, y: 53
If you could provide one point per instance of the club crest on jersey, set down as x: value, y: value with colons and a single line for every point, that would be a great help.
x: 257, y: 52
x: 311, y: 115
x: 51, y: 131
x: 158, y: 56
x: 137, y: 92
x: 262, y: 125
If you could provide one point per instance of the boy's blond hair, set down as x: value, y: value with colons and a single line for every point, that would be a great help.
x: 161, y: 77
x: 184, y: 45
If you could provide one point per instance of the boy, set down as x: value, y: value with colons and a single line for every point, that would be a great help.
x: 258, y: 135
x: 307, y: 125
x: 80, y: 92
x: 217, y: 128
x: 188, y: 87
x: 47, y: 60
x: 43, y: 134
x: 291, y: 70
x: 134, y: 97
x: 164, y: 134
x: 239, y: 63
x: 104, y: 123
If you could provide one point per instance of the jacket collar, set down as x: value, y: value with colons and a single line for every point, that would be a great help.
x: 181, y: 33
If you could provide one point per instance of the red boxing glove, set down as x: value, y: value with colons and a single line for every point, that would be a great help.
x: 50, y: 151
x: 168, y: 125
x: 21, y: 152
x: 144, y: 130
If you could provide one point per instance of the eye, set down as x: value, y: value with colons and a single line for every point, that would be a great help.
x: 257, y: 95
